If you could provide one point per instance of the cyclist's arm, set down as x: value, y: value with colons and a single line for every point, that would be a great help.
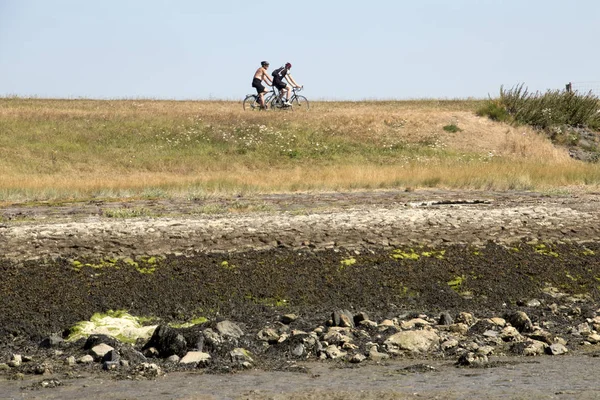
x: 267, y: 79
x: 291, y: 80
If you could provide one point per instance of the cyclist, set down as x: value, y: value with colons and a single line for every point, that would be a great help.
x: 278, y: 75
x: 259, y: 76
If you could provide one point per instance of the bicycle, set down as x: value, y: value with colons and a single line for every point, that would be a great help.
x: 273, y: 100
x: 251, y: 101
x: 297, y: 101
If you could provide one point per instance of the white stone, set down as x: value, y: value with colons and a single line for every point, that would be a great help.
x: 195, y: 357
x: 413, y: 341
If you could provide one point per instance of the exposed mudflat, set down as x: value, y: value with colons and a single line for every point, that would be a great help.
x: 393, y: 255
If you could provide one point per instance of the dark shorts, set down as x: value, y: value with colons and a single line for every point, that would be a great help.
x: 279, y: 84
x: 257, y: 84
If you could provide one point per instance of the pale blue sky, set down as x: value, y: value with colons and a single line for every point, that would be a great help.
x: 340, y: 49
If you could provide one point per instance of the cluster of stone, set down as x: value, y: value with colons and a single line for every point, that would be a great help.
x: 345, y: 336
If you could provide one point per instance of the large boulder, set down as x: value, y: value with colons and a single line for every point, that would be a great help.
x: 167, y: 341
x: 229, y: 329
x: 419, y: 341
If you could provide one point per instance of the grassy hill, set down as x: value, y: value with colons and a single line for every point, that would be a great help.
x: 83, y: 149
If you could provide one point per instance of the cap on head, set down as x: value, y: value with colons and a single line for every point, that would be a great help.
x: 264, y: 63
x: 288, y: 65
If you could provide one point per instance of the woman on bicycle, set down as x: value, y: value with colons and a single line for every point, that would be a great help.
x: 278, y: 75
x: 259, y: 76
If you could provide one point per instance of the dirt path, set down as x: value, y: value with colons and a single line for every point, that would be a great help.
x: 317, y: 221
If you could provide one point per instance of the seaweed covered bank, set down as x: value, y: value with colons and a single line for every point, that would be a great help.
x: 356, y: 278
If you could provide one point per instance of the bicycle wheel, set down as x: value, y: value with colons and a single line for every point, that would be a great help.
x: 300, y: 103
x: 250, y: 103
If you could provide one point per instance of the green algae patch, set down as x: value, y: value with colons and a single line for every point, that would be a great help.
x: 399, y: 254
x: 119, y: 324
x: 228, y: 266
x: 268, y: 301
x: 588, y: 252
x: 142, y: 264
x: 545, y: 250
x: 346, y: 263
x: 456, y: 283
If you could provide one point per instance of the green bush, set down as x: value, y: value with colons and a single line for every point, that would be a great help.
x: 494, y: 110
x: 544, y: 110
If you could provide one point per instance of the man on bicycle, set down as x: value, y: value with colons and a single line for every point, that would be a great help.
x: 278, y: 75
x: 259, y: 76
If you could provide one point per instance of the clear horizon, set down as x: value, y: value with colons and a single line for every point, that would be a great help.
x: 340, y: 50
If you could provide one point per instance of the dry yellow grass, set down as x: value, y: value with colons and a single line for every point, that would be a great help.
x: 59, y: 149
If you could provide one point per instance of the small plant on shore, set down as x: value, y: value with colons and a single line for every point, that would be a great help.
x: 452, y: 128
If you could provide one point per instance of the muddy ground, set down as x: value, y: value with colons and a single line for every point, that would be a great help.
x: 253, y: 259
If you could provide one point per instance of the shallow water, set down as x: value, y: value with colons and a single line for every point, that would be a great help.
x: 566, y: 377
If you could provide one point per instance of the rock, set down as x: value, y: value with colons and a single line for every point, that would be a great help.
x: 542, y: 336
x: 51, y: 341
x: 229, y: 329
x: 151, y: 352
x: 195, y: 357
x: 460, y: 328
x: 534, y: 348
x: 368, y: 324
x: 519, y: 320
x: 99, y: 351
x: 465, y: 318
x: 173, y: 359
x: 482, y: 326
x: 336, y: 337
x: 288, y: 318
x: 376, y: 356
x: 413, y: 341
x: 269, y: 335
x: 167, y: 341
x: 15, y: 361
x: 500, y: 322
x: 360, y: 317
x: 212, y: 338
x: 449, y: 344
x: 110, y: 365
x: 85, y: 359
x: 149, y: 370
x: 556, y: 349
x: 240, y: 355
x: 413, y: 324
x: 594, y: 338
x: 445, y: 319
x: 42, y: 369
x: 511, y: 334
x: 333, y: 352
x: 4, y: 367
x: 298, y: 334
x: 485, y: 350
x: 111, y: 356
x: 299, y: 350
x: 582, y: 329
x: 132, y: 355
x: 490, y: 334
x: 472, y: 360
x: 124, y: 363
x: 358, y: 358
x: 70, y: 361
x: 94, y: 340
x: 533, y: 303
x: 343, y: 318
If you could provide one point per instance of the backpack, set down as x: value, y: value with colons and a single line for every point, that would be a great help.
x: 278, y: 73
